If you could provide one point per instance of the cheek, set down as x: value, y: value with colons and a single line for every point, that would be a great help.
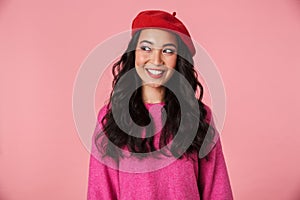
x: 140, y: 58
x: 172, y: 62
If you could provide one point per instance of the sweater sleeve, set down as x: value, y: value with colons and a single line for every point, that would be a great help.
x: 102, y: 180
x: 214, y: 180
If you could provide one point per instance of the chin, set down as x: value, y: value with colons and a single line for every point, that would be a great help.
x: 153, y: 85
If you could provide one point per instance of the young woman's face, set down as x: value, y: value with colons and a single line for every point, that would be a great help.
x: 155, y: 56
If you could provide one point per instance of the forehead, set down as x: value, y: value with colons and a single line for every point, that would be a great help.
x: 157, y: 36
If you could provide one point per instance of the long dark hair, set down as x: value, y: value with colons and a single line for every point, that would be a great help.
x: 121, y: 95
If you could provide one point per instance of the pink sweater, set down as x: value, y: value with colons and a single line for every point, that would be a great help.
x: 176, y: 180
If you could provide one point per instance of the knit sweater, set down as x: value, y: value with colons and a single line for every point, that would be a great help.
x: 156, y: 179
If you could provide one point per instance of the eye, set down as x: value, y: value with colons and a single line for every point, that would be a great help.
x: 169, y: 51
x: 145, y: 48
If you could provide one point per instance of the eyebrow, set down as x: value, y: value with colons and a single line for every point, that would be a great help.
x: 167, y: 44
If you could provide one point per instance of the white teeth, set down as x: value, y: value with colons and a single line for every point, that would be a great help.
x: 155, y: 72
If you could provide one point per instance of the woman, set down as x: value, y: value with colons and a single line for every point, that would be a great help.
x: 154, y: 121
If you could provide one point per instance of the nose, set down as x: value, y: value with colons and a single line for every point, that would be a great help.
x: 156, y: 57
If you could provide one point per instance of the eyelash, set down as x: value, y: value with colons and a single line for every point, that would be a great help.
x: 166, y: 51
x: 144, y: 48
x: 171, y: 51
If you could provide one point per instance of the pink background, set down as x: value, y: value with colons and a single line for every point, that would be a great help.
x: 255, y: 45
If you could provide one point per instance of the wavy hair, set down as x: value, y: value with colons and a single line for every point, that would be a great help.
x: 121, y: 95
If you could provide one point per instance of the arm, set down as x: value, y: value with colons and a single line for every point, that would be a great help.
x: 214, y: 183
x: 214, y: 180
x: 103, y: 180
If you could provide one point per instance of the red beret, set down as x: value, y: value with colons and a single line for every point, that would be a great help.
x: 163, y: 20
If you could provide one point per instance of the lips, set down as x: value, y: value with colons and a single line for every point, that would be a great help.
x: 155, y: 73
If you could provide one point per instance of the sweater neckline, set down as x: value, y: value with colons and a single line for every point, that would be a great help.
x: 148, y: 105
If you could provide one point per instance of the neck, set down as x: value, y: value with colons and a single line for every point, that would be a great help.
x: 153, y: 94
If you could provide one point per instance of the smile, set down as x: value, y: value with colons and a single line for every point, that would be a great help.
x: 155, y: 73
